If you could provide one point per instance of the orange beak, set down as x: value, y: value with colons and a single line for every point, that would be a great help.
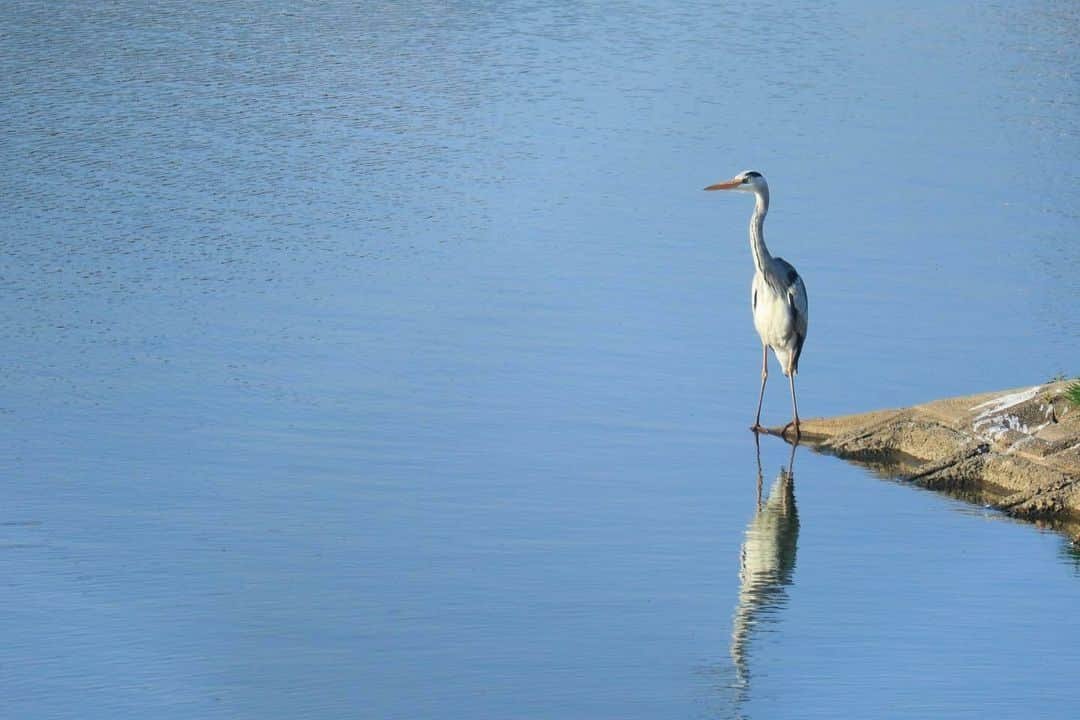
x: 729, y: 185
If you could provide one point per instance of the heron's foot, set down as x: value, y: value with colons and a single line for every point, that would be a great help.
x: 757, y: 428
x: 794, y: 424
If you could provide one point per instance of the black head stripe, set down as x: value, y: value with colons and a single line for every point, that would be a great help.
x: 753, y: 173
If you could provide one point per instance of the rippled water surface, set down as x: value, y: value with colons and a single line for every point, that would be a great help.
x: 386, y: 360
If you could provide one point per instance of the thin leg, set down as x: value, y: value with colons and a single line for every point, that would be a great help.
x: 794, y: 410
x: 789, y: 480
x: 757, y: 448
x: 756, y: 427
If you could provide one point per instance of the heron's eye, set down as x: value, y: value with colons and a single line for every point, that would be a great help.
x: 746, y: 180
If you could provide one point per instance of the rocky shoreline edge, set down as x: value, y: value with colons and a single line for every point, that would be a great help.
x: 1015, y: 450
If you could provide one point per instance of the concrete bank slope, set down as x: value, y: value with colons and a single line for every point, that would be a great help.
x: 1018, y: 450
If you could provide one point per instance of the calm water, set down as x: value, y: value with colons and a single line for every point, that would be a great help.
x: 388, y: 361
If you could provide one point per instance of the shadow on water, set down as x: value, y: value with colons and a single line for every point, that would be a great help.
x: 1069, y: 552
x: 898, y: 467
x: 766, y: 566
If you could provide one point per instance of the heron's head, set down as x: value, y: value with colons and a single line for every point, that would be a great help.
x: 746, y: 181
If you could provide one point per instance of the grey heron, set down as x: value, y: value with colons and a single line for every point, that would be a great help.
x: 778, y: 296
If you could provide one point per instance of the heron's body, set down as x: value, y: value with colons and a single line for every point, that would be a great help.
x: 778, y: 300
x: 778, y: 295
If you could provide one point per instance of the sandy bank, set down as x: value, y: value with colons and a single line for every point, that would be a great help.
x: 1017, y: 450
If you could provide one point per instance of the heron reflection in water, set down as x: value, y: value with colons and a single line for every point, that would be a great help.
x: 767, y: 562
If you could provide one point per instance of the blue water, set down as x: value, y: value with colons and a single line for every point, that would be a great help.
x: 388, y: 361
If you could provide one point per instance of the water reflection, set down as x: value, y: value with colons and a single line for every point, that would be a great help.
x: 767, y: 563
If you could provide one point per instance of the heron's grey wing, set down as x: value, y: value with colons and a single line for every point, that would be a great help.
x: 781, y: 275
x: 786, y: 281
x: 800, y: 305
x: 795, y: 291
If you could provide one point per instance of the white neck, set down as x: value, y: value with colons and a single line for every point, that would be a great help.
x: 757, y: 229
